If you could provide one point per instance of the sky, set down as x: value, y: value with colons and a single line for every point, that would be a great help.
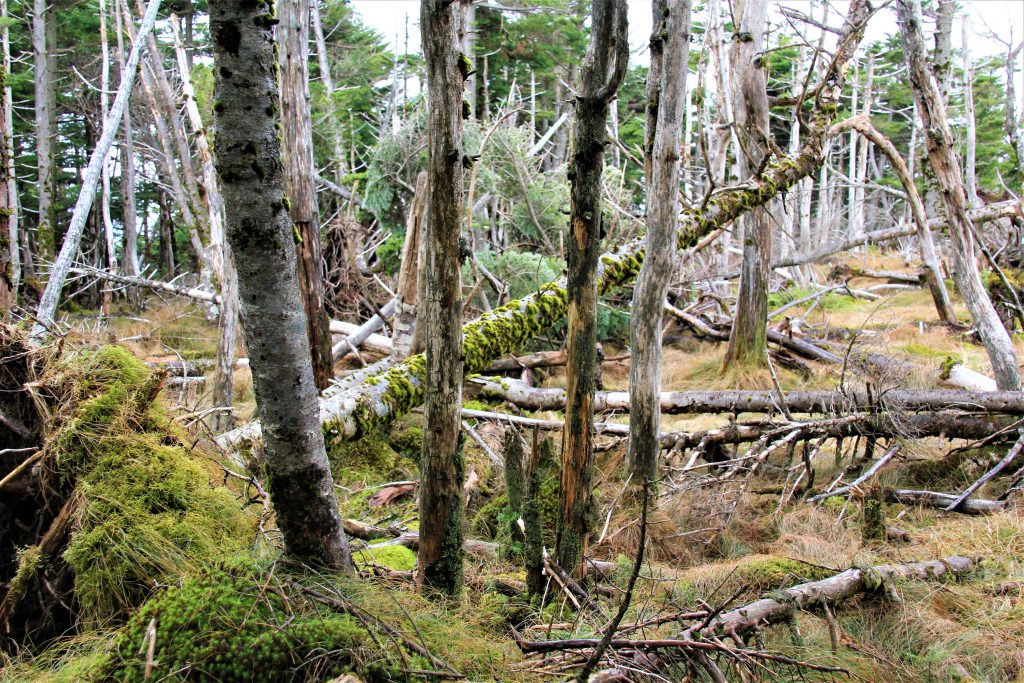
x: 1005, y: 17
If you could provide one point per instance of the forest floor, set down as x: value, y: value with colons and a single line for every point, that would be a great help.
x: 701, y: 551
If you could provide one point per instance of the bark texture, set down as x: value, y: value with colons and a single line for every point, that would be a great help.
x: 604, y: 69
x: 666, y: 92
x: 43, y: 118
x: 949, y: 180
x: 261, y: 235
x: 441, y: 499
x: 747, y: 340
x: 300, y: 178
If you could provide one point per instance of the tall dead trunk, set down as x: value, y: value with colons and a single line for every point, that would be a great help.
x: 14, y: 235
x: 860, y: 180
x: 410, y: 273
x: 1014, y: 121
x: 604, y: 69
x: 337, y: 144
x: 108, y: 222
x: 949, y: 179
x: 129, y: 217
x: 971, y: 151
x: 44, y: 122
x: 69, y: 249
x: 260, y: 233
x: 666, y: 93
x: 8, y: 239
x: 300, y: 179
x: 749, y: 330
x: 441, y: 466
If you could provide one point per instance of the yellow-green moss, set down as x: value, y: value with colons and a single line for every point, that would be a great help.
x: 396, y: 557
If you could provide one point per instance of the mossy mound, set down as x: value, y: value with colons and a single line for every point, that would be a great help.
x: 239, y: 625
x: 395, y: 557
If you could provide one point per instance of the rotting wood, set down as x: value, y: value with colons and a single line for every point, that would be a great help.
x: 934, y: 499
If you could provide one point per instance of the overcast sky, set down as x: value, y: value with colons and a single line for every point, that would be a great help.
x: 1006, y: 17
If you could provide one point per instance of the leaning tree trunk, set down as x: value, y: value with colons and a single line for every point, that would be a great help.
x: 51, y: 295
x: 260, y: 233
x: 670, y: 46
x: 747, y: 342
x: 949, y: 178
x: 603, y: 72
x: 300, y: 179
x: 441, y: 466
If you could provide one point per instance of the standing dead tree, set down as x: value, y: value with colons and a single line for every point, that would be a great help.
x: 441, y: 498
x: 670, y: 42
x: 945, y: 164
x: 603, y: 72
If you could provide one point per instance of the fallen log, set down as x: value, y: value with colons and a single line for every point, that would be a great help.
x: 354, y: 335
x: 996, y: 469
x: 743, y: 401
x: 357, y: 336
x: 827, y: 592
x: 537, y: 359
x: 136, y: 281
x: 973, y: 506
x: 383, y: 398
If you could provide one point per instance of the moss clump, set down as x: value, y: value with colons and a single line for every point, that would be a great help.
x: 150, y: 513
x: 396, y: 557
x: 407, y: 441
x: 773, y: 573
x: 371, y: 458
x: 236, y: 625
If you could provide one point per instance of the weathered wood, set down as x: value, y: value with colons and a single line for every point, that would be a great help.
x: 830, y: 591
x: 604, y: 69
x: 261, y: 234
x: 996, y: 469
x: 752, y: 401
x: 441, y: 496
x: 666, y: 93
x: 69, y: 250
x: 945, y: 164
x: 196, y: 293
x: 357, y: 334
x: 975, y: 506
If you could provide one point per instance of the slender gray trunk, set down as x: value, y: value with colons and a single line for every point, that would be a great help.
x: 261, y: 234
x: 44, y: 123
x: 670, y: 42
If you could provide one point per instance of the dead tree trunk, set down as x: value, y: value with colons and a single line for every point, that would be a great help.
x: 300, y: 171
x: 666, y: 92
x: 747, y: 341
x: 44, y: 118
x: 410, y: 272
x: 11, y: 204
x: 51, y: 295
x: 603, y: 72
x: 441, y: 468
x: 130, y: 258
x: 260, y: 233
x: 949, y: 178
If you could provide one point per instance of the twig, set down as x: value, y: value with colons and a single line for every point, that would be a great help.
x: 862, y: 478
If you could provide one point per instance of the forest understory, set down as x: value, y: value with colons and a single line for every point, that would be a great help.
x: 126, y: 526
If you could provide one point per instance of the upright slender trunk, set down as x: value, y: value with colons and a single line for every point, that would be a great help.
x: 604, y: 69
x: 861, y: 178
x: 261, y: 234
x: 441, y: 465
x: 51, y: 295
x: 1013, y: 122
x: 129, y: 217
x: 670, y: 42
x: 300, y: 179
x: 971, y: 153
x: 44, y: 123
x: 748, y: 337
x: 337, y: 144
x: 9, y: 201
x: 949, y: 179
x: 108, y: 222
x: 410, y: 274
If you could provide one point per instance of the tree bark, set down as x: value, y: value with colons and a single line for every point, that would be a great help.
x: 604, y: 69
x: 410, y: 273
x: 949, y: 178
x: 8, y: 235
x: 670, y: 47
x: 293, y: 40
x: 51, y: 295
x: 14, y: 235
x: 261, y: 234
x: 441, y: 466
x: 747, y: 340
x: 44, y: 117
x: 129, y: 217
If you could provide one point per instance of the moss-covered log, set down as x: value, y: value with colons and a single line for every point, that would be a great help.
x: 383, y: 398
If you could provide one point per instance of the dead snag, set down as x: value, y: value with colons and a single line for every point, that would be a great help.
x: 603, y: 72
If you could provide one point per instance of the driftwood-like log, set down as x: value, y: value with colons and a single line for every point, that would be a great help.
x: 743, y: 401
x: 933, y: 499
x: 136, y: 281
x: 830, y: 591
x: 382, y: 399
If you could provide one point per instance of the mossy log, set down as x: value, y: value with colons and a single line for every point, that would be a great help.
x: 383, y: 398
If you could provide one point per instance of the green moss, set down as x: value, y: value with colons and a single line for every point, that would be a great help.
x: 30, y: 563
x: 407, y: 441
x: 395, y: 557
x: 773, y: 573
x: 237, y: 625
